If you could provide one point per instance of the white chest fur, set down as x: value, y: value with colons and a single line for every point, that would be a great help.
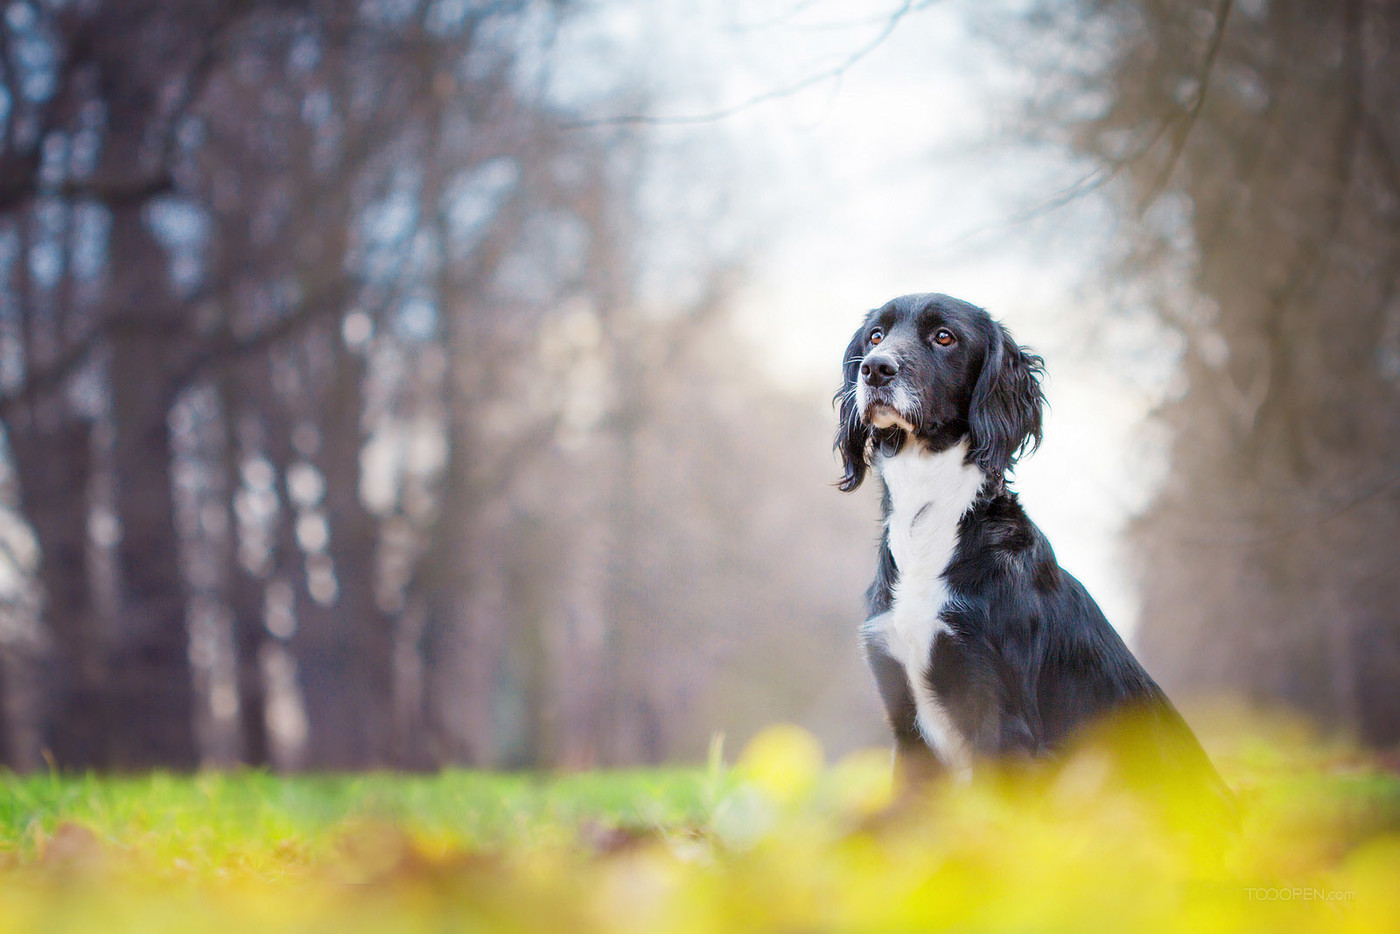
x: 929, y: 493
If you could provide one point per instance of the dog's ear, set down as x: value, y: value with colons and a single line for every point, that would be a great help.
x: 852, y: 434
x: 1007, y: 404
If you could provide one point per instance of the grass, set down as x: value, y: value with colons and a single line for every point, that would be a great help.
x: 781, y: 842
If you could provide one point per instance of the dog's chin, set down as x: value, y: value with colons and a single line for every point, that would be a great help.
x: 880, y: 415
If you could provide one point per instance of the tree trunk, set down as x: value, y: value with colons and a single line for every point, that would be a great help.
x: 151, y: 695
x: 346, y: 650
x: 53, y: 457
x: 464, y: 578
x: 246, y: 593
x: 581, y: 638
x: 464, y: 638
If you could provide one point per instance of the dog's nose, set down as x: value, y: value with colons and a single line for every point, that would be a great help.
x: 878, y: 371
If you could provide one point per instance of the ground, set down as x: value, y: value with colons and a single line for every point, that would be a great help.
x: 778, y: 841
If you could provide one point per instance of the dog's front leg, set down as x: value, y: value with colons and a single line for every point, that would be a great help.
x: 915, y: 764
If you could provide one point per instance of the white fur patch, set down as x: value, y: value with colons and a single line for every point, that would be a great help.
x: 929, y: 493
x: 884, y: 416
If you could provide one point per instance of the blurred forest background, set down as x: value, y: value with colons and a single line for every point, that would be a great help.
x: 344, y: 426
x: 1257, y: 145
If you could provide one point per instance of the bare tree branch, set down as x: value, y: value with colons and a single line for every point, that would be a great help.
x: 1187, y: 121
x: 1110, y: 169
x: 228, y: 348
x: 112, y: 194
x: 54, y: 374
x: 835, y: 73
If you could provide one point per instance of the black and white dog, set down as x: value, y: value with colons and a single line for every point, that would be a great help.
x: 981, y: 645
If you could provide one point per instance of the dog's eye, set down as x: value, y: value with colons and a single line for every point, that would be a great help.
x: 943, y: 337
x: 876, y: 336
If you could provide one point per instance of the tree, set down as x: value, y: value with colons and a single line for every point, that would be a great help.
x: 205, y: 193
x: 124, y: 689
x: 344, y: 434
x: 1256, y: 146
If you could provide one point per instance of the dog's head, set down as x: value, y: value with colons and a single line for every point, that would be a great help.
x: 934, y: 369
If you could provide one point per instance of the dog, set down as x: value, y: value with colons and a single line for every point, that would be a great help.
x: 982, y: 647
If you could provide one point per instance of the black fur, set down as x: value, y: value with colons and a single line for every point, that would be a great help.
x: 1027, y: 659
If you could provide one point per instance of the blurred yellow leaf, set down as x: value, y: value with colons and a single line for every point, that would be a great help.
x: 783, y: 762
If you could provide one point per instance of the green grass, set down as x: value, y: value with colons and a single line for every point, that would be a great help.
x: 782, y: 842
x: 215, y: 815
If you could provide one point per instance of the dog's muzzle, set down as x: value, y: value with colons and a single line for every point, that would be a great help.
x: 882, y: 402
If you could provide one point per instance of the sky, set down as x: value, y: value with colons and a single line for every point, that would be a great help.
x: 870, y: 148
